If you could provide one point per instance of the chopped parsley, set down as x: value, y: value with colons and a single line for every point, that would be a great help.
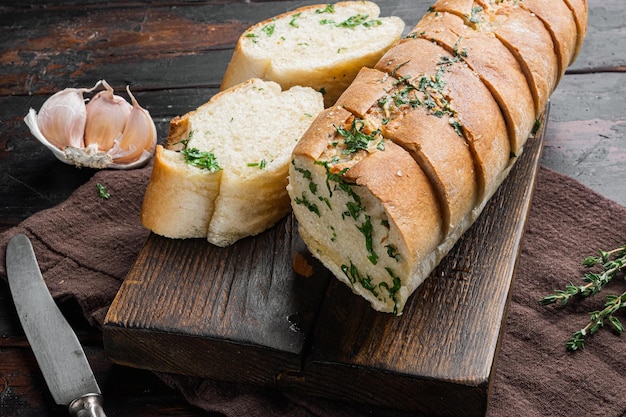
x: 366, y: 229
x: 353, y: 22
x: 269, y: 29
x: 393, y: 291
x: 475, y: 17
x: 330, y: 8
x: 354, y: 276
x: 200, y: 159
x: 261, y: 164
x: 306, y: 203
x: 536, y: 126
x: 392, y: 252
x: 355, y: 139
x: 102, y: 191
x: 292, y: 22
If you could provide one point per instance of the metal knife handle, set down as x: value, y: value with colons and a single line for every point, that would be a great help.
x: 89, y: 405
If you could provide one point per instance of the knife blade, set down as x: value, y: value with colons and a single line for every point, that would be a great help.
x: 56, y: 347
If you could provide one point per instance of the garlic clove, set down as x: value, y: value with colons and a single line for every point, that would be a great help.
x: 105, y: 118
x: 62, y: 118
x: 139, y: 138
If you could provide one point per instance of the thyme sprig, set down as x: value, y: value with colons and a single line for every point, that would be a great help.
x: 612, y: 262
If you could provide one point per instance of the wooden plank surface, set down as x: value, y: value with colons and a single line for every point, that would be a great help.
x: 243, y: 314
x: 238, y: 313
x: 439, y: 357
x: 593, y: 93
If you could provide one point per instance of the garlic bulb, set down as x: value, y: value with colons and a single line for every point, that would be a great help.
x: 107, y: 132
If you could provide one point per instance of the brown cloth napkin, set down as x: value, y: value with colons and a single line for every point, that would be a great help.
x: 87, y: 244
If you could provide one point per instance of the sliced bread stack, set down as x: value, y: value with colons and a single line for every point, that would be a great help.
x: 224, y: 172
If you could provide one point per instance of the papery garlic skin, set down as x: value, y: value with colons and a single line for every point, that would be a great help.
x: 132, y: 146
x: 139, y: 138
x: 105, y: 118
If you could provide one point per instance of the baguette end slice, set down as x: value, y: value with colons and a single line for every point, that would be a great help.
x: 372, y: 218
x: 251, y: 130
x: 179, y: 199
x: 320, y: 46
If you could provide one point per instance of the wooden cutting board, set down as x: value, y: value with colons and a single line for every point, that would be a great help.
x: 243, y: 314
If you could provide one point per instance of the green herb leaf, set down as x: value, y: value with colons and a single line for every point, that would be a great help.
x: 612, y: 263
x: 269, y: 29
x: 293, y: 22
x: 330, y: 8
x: 355, y: 139
x: 202, y: 160
x: 102, y: 191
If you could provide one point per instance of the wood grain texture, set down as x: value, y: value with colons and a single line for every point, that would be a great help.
x: 591, y: 94
x: 242, y: 305
x: 232, y: 313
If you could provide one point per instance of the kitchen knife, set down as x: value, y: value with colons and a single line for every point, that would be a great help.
x: 54, y: 343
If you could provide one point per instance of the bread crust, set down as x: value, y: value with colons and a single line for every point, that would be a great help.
x: 330, y: 73
x: 580, y: 10
x: 480, y: 117
x: 433, y: 143
x: 179, y: 199
x: 462, y: 8
x: 559, y: 20
x: 529, y: 41
x: 495, y: 65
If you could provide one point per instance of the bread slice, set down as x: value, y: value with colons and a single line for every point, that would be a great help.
x: 558, y: 19
x: 250, y: 130
x: 493, y: 62
x: 390, y: 105
x: 370, y: 216
x: 521, y: 32
x: 581, y: 13
x: 320, y: 46
x: 476, y: 113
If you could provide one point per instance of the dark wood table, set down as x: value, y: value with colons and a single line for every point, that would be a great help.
x: 173, y: 55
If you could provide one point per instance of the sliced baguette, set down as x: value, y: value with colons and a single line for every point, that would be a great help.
x: 476, y: 112
x: 367, y: 176
x: 442, y: 154
x: 321, y: 46
x: 251, y: 130
x: 486, y: 55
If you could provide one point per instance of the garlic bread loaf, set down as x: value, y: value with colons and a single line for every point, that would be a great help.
x: 385, y: 182
x: 224, y: 174
x: 321, y: 46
